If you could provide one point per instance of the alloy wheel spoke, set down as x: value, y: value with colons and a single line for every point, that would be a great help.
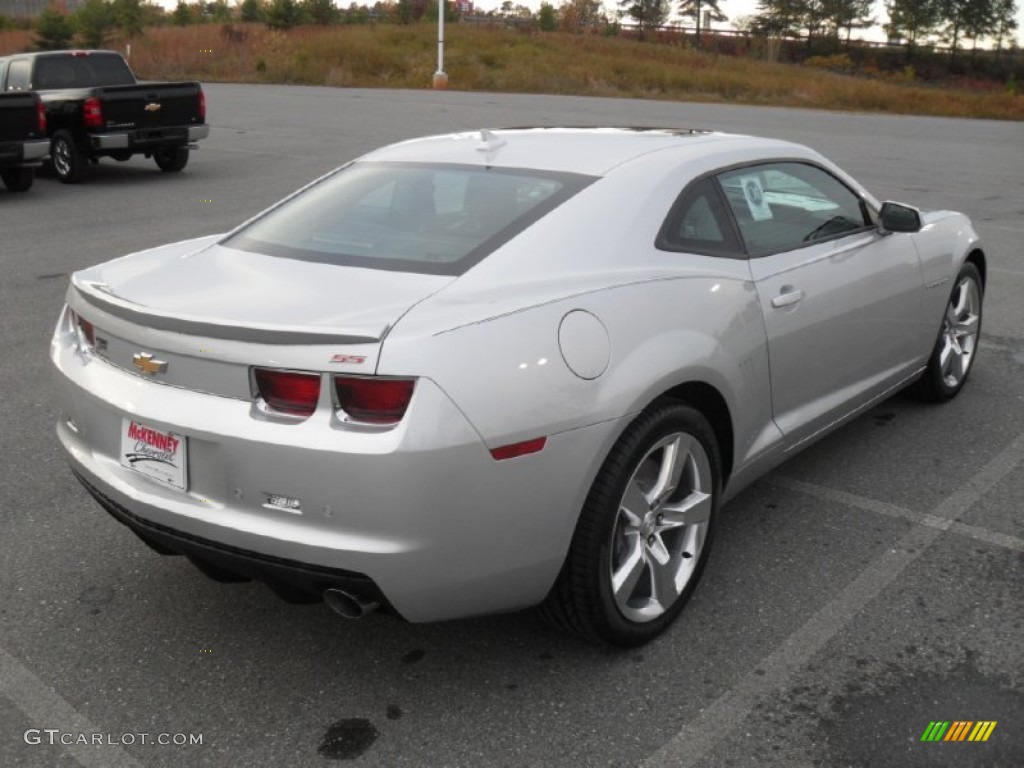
x: 967, y: 326
x: 958, y: 363
x: 694, y: 509
x: 663, y: 582
x: 634, y: 504
x: 962, y: 297
x: 657, y: 553
x: 673, y: 461
x: 626, y: 576
x: 946, y: 355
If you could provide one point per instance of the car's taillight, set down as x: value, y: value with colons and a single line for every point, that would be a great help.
x: 202, y: 105
x: 92, y: 113
x: 85, y: 332
x: 372, y: 400
x: 288, y: 392
x: 41, y: 117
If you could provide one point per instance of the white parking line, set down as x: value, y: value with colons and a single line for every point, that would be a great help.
x: 45, y: 708
x: 699, y: 736
x: 884, y: 508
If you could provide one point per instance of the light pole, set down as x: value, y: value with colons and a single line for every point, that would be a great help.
x: 440, y: 78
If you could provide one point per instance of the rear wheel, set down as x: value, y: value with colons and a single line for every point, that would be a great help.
x: 69, y: 161
x: 645, y: 530
x: 171, y: 159
x: 957, y: 344
x: 18, y: 179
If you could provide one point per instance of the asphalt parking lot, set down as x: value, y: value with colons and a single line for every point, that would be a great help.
x: 866, y: 588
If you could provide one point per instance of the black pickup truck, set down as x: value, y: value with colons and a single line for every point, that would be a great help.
x: 96, y: 108
x: 23, y: 142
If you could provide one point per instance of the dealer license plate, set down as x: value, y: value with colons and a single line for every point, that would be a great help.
x: 155, y: 453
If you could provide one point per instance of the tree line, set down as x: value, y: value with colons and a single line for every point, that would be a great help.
x: 910, y: 22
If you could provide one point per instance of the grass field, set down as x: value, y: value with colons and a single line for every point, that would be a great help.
x: 507, y: 60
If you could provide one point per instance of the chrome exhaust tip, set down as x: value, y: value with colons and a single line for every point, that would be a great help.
x: 348, y: 605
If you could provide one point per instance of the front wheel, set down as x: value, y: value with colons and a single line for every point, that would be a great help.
x: 957, y: 344
x: 18, y: 179
x: 171, y: 159
x: 645, y: 530
x: 69, y: 161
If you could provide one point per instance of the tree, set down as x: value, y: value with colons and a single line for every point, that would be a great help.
x: 94, y: 21
x: 850, y: 15
x: 979, y: 20
x: 321, y: 12
x: 182, y: 14
x: 219, y: 10
x: 784, y: 18
x: 250, y: 10
x: 1005, y: 22
x: 53, y: 30
x: 282, y: 14
x: 648, y: 14
x: 693, y: 9
x: 128, y: 16
x: 546, y: 17
x: 911, y: 20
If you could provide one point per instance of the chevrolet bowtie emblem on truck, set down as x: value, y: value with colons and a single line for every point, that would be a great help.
x: 145, y: 363
x: 153, y: 106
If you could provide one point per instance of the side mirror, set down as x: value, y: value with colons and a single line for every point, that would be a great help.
x: 895, y: 217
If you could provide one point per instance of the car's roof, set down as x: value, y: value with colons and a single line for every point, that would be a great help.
x: 590, y: 151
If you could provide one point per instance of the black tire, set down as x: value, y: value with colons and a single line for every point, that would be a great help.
x: 583, y: 599
x: 171, y: 159
x: 18, y: 179
x: 69, y: 161
x: 946, y: 375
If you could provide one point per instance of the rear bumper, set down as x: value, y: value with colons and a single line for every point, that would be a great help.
x: 293, y: 581
x: 141, y: 140
x: 16, y: 153
x: 423, y: 513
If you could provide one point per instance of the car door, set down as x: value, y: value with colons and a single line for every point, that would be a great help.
x: 841, y: 301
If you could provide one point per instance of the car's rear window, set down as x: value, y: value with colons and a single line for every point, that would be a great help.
x: 81, y: 71
x: 435, y: 219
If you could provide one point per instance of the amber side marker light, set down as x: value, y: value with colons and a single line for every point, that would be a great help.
x: 518, y: 449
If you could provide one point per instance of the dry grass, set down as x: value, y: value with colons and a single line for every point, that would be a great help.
x: 485, y: 59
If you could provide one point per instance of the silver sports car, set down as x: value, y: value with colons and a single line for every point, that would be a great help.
x: 490, y: 370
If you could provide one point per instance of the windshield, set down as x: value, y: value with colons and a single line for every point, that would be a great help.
x: 435, y: 219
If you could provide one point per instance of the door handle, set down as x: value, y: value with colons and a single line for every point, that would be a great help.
x: 789, y: 297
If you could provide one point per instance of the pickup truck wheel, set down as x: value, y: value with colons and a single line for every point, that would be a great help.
x: 171, y: 159
x: 70, y: 163
x: 18, y: 179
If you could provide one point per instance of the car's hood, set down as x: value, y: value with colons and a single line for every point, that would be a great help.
x: 206, y: 289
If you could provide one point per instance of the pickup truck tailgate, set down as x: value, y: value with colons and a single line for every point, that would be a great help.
x: 19, y: 118
x: 162, y: 105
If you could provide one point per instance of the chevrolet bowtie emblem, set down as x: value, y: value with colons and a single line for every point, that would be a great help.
x: 153, y: 106
x: 145, y: 363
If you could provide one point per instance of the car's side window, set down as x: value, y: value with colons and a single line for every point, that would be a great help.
x: 781, y: 206
x: 18, y: 76
x: 698, y: 223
